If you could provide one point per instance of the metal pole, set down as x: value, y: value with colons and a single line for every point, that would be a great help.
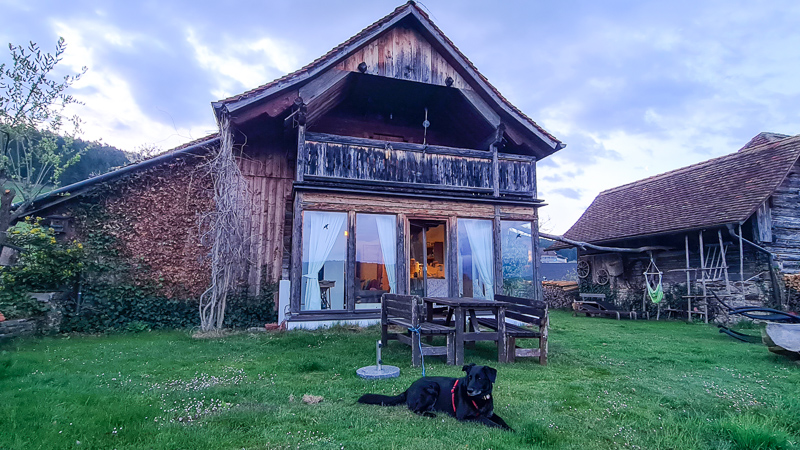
x: 379, y: 362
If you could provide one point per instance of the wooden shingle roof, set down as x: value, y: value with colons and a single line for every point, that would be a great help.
x: 719, y: 191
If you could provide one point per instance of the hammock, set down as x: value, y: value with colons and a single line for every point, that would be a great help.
x: 654, y: 290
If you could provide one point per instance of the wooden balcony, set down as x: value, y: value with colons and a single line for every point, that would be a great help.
x: 340, y: 161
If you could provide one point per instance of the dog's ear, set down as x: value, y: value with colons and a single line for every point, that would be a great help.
x: 468, y: 367
x: 491, y: 372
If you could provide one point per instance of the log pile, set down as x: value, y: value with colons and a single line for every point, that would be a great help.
x: 792, y: 283
x: 560, y: 294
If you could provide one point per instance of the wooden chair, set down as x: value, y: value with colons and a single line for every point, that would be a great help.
x: 407, y: 311
x: 525, y: 319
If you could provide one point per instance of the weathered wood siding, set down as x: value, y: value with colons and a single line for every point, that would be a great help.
x: 785, y: 213
x: 412, y: 207
x: 405, y: 54
x: 335, y: 157
x: 269, y: 178
x: 517, y: 175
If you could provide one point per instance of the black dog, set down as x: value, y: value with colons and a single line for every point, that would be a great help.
x: 467, y: 398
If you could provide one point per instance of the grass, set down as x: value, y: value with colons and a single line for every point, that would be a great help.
x: 609, y: 384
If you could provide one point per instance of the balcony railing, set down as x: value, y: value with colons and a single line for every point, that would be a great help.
x: 398, y: 165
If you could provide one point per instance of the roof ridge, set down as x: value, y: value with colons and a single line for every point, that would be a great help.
x: 738, y: 153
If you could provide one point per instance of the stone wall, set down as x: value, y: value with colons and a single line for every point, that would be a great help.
x: 16, y: 328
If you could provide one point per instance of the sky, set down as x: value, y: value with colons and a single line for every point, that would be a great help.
x: 634, y: 88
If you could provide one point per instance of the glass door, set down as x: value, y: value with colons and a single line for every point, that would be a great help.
x: 427, y: 259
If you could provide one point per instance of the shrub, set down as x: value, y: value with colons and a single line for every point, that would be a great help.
x: 44, y: 265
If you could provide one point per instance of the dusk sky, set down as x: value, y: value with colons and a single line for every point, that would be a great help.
x: 634, y: 88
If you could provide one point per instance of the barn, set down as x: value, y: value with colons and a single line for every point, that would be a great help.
x: 727, y: 228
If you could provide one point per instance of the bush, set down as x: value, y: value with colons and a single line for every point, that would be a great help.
x: 45, y: 265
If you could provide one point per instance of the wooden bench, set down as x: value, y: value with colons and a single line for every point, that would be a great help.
x: 595, y: 305
x: 407, y: 311
x: 529, y: 320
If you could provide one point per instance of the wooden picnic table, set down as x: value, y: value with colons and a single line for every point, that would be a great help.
x: 464, y: 308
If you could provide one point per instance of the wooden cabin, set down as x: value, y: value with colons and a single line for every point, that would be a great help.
x: 390, y: 164
x: 719, y: 227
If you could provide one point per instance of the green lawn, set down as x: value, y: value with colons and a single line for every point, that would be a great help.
x: 609, y: 384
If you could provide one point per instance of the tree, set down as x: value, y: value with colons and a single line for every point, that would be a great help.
x: 35, y: 134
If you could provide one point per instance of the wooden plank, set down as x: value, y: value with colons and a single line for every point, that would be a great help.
x: 302, y: 156
x: 315, y: 88
x: 483, y: 108
x: 396, y: 185
x: 423, y: 208
x: 451, y: 268
x: 537, y: 261
x: 431, y: 149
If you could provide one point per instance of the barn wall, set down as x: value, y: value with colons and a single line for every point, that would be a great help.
x: 269, y: 178
x: 785, y: 214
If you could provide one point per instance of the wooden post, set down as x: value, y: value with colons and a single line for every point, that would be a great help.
x: 502, y: 337
x: 498, y: 140
x: 498, y: 253
x: 459, y: 338
x: 688, y: 279
x: 703, y: 272
x: 495, y: 172
x: 724, y: 262
x: 301, y: 152
x: 350, y: 270
x: 416, y: 355
x: 451, y: 270
x: 424, y: 261
x: 297, y: 253
x: 536, y: 261
x: 741, y: 261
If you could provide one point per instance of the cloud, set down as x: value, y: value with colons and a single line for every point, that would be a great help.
x: 633, y: 88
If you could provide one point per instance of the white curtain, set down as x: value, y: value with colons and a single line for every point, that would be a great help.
x: 387, y: 228
x: 479, y: 235
x: 323, y: 229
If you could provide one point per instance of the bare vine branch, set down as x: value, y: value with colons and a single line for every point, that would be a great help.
x: 227, y: 231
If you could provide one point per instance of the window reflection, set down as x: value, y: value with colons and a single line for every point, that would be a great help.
x: 475, y: 258
x: 517, y: 255
x: 376, y: 259
x: 324, y: 258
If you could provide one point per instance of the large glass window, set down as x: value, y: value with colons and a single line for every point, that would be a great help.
x: 324, y: 260
x: 376, y: 259
x: 475, y: 258
x: 428, y: 259
x: 516, y: 247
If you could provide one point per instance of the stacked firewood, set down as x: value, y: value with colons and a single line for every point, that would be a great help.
x: 560, y: 294
x: 792, y: 282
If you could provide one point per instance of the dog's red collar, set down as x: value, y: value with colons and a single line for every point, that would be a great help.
x: 453, y: 398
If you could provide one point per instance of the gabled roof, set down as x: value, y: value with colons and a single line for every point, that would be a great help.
x: 341, y: 51
x: 764, y: 138
x: 719, y: 191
